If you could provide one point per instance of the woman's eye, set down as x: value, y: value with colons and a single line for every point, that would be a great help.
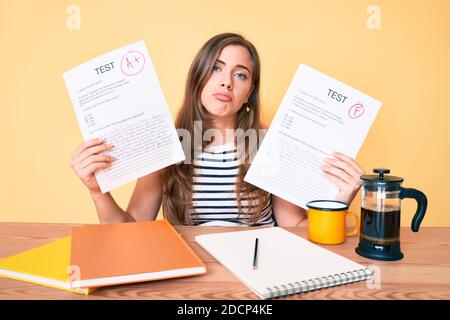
x: 216, y: 68
x: 241, y: 75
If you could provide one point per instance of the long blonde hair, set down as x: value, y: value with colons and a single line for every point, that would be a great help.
x: 177, y: 179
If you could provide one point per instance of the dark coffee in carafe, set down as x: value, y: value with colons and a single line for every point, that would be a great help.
x: 380, y: 227
x: 380, y: 215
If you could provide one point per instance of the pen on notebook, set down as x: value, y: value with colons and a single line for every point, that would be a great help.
x: 255, y: 254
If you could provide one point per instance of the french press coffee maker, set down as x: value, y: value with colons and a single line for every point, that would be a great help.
x: 379, y: 237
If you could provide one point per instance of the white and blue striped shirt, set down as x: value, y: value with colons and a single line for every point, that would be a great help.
x: 214, y: 190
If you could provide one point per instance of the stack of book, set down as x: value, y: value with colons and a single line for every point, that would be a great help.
x: 103, y: 255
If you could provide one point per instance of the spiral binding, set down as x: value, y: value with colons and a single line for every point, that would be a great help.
x: 318, y: 283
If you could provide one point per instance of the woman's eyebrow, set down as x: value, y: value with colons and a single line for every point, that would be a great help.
x: 238, y: 65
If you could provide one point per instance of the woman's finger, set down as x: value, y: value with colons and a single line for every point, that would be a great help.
x: 93, y: 150
x: 85, y: 145
x: 350, y: 161
x: 338, y: 182
x: 345, y: 166
x: 93, y: 167
x: 95, y: 158
x: 345, y: 189
x: 340, y: 174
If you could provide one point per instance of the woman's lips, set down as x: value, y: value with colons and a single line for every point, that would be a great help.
x: 222, y: 97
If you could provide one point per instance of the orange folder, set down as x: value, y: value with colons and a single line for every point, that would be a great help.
x: 120, y: 253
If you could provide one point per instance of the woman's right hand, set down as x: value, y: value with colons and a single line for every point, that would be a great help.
x: 88, y: 158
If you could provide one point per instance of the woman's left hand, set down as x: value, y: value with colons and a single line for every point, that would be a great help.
x: 345, y: 173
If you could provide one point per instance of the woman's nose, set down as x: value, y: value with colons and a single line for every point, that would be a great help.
x: 225, y: 85
x: 225, y: 82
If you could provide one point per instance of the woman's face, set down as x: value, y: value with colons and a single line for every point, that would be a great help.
x: 230, y: 84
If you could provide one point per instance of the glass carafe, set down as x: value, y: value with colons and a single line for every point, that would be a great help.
x: 380, y: 215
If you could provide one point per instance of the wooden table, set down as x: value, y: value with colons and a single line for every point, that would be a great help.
x: 424, y: 273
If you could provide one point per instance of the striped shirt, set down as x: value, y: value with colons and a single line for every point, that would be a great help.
x: 214, y: 191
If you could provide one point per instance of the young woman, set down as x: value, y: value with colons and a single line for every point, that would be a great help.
x: 222, y: 94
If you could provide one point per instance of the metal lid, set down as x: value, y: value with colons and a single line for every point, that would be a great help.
x: 381, y: 180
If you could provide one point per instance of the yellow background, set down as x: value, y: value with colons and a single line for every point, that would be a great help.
x: 405, y: 65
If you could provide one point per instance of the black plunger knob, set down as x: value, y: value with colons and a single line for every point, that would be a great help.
x: 381, y: 172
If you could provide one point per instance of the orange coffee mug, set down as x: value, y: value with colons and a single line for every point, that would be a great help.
x: 327, y: 221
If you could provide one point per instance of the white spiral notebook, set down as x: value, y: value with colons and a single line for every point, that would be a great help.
x: 286, y: 263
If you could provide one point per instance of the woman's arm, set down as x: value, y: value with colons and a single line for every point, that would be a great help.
x: 288, y: 214
x: 108, y: 210
x: 144, y: 203
x: 146, y: 199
